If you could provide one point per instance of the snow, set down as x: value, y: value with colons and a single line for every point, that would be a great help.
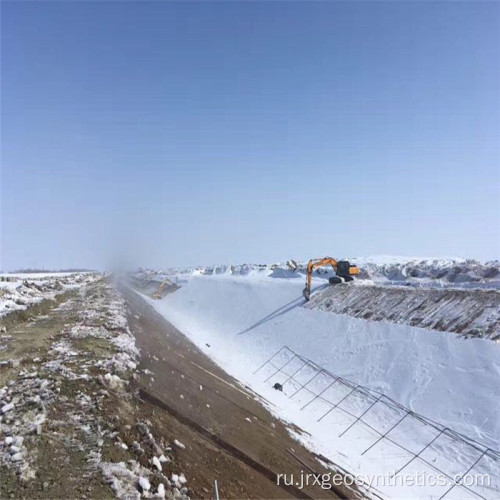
x: 383, y: 260
x: 454, y: 272
x: 7, y: 407
x: 39, y: 276
x: 179, y: 444
x: 246, y: 319
x: 17, y: 457
x: 156, y: 462
x: 113, y: 381
x: 123, y: 479
x: 161, y: 491
x: 20, y: 291
x: 144, y: 483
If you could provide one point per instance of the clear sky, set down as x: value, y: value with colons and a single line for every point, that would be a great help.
x: 161, y: 134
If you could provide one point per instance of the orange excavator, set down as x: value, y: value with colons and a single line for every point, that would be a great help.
x: 344, y: 272
x: 161, y: 289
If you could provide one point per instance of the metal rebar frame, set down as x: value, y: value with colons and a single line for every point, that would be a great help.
x: 372, y: 398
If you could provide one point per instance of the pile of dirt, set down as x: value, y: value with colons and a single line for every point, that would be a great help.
x: 472, y: 313
x: 453, y: 272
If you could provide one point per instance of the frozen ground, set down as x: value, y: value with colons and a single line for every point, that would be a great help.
x: 468, y: 312
x: 241, y: 316
x: 20, y: 291
x: 71, y: 424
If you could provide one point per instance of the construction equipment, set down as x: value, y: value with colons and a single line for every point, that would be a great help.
x: 161, y: 289
x: 344, y: 272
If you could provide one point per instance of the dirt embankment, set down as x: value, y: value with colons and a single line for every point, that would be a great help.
x: 472, y: 313
x: 71, y: 422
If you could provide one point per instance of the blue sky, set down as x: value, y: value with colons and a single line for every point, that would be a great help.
x: 155, y: 133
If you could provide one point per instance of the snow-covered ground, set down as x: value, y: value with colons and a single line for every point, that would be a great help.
x: 39, y: 275
x: 63, y: 376
x: 452, y: 272
x: 241, y: 316
x: 20, y: 291
x: 431, y: 272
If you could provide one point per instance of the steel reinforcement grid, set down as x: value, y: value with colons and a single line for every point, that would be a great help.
x: 311, y: 385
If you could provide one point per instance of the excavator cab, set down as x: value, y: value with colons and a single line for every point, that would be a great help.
x: 343, y: 272
x: 343, y: 269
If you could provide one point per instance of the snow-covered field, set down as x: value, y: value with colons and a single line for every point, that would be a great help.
x: 453, y: 272
x: 20, y: 291
x: 241, y: 316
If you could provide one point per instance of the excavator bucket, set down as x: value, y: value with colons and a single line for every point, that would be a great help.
x: 306, y: 293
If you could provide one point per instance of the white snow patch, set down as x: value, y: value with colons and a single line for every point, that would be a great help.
x: 179, y: 444
x: 7, y: 407
x: 160, y: 492
x: 144, y: 483
x: 156, y: 462
x: 114, y: 381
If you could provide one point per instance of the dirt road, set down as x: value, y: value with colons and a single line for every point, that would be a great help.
x: 234, y: 438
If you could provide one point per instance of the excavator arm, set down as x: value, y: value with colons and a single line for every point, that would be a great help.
x: 311, y: 266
